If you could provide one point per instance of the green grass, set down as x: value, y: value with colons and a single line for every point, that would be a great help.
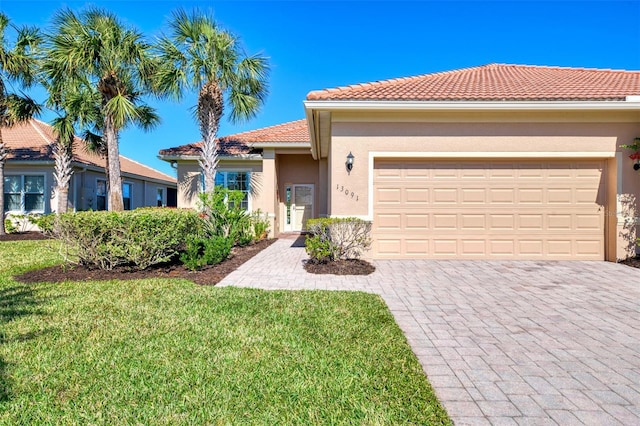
x: 170, y: 352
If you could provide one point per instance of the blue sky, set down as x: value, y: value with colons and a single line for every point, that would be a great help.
x: 320, y: 44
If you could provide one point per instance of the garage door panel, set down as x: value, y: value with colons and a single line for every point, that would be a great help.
x: 417, y: 195
x: 417, y: 221
x: 445, y: 196
x: 458, y: 210
x: 560, y: 196
x: 473, y: 195
x: 501, y: 195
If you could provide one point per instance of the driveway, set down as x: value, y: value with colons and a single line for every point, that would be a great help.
x: 502, y: 342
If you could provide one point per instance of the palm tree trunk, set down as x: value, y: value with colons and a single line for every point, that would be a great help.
x: 116, y: 202
x: 3, y: 158
x: 210, y: 103
x: 62, y: 175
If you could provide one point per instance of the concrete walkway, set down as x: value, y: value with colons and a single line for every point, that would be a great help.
x: 502, y: 342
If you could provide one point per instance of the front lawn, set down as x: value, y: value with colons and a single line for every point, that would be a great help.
x: 162, y: 351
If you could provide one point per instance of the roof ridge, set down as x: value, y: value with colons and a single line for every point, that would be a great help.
x: 566, y: 68
x: 494, y: 81
x: 390, y: 81
x: 39, y: 131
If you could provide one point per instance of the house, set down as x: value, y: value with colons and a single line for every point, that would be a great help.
x: 491, y: 162
x: 29, y: 178
x: 273, y: 166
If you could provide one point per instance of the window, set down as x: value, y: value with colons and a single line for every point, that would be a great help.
x: 160, y: 197
x: 126, y: 195
x: 24, y: 193
x: 101, y: 194
x: 235, y: 181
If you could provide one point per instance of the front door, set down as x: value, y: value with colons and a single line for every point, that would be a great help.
x: 301, y: 207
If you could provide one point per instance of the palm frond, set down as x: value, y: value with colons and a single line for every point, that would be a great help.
x: 19, y: 108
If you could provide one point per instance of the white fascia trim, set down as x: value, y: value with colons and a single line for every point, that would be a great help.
x: 492, y: 154
x: 469, y: 156
x: 243, y: 157
x: 276, y: 145
x: 470, y: 106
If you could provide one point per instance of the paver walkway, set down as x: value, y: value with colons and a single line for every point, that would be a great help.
x: 502, y: 342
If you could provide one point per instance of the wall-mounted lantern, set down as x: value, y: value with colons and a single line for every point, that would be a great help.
x: 349, y: 162
x: 636, y: 160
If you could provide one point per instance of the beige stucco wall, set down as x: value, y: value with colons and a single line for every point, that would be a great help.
x: 263, y: 178
x: 532, y: 134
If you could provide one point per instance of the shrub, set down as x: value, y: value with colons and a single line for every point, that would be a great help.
x: 337, y: 238
x: 260, y: 224
x: 205, y: 251
x: 223, y: 214
x: 9, y: 227
x: 224, y: 217
x: 138, y: 238
x: 43, y: 222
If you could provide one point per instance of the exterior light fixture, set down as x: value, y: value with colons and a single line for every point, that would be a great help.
x: 636, y: 160
x: 349, y: 162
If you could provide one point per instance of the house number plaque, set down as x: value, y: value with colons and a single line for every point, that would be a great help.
x: 346, y: 192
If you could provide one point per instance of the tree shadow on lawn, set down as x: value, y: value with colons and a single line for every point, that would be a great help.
x: 15, y: 302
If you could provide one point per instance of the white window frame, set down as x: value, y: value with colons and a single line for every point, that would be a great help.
x: 106, y: 193
x: 126, y: 182
x: 23, y: 193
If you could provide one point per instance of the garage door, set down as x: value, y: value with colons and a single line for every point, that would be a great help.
x: 493, y: 209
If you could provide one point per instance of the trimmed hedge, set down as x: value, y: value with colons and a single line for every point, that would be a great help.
x: 137, y: 239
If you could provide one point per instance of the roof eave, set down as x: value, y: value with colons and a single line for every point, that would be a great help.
x: 240, y: 157
x: 338, y: 105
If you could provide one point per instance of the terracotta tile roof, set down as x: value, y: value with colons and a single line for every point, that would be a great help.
x: 496, y: 82
x: 241, y: 143
x: 31, y: 141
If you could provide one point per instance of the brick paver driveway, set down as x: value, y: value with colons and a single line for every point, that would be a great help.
x: 502, y: 342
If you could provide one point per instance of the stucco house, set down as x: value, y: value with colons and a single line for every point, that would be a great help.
x: 491, y: 162
x: 29, y: 178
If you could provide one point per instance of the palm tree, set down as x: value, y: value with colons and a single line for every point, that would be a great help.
x: 17, y: 64
x: 77, y: 106
x: 200, y: 55
x: 94, y: 46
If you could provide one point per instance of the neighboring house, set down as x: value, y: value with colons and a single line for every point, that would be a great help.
x: 491, y: 162
x: 29, y: 178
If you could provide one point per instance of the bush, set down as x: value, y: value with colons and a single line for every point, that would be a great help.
x: 223, y: 214
x: 205, y: 251
x: 138, y: 238
x: 43, y: 222
x: 224, y: 217
x: 337, y: 238
x: 260, y: 224
x: 9, y: 227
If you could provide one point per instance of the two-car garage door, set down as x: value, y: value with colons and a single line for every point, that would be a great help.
x: 516, y: 209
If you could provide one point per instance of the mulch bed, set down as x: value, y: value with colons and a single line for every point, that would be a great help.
x: 22, y: 236
x: 341, y: 267
x: 210, y: 275
x: 634, y: 262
